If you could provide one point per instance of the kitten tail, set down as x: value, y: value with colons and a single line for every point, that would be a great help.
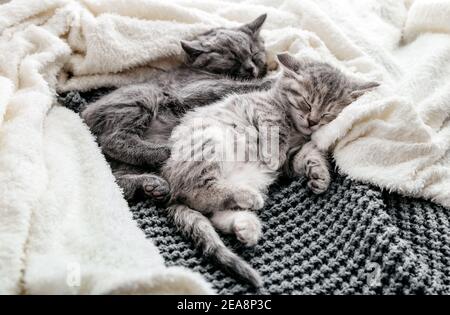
x: 196, y: 226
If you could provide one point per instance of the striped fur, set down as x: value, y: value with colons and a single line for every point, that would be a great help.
x: 133, y: 123
x: 209, y: 191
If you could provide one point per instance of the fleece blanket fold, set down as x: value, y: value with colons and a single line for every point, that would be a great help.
x: 65, y: 227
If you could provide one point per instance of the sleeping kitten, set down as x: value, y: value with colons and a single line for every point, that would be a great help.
x: 133, y: 123
x: 210, y: 191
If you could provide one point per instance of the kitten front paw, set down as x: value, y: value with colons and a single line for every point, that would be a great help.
x: 268, y: 84
x: 156, y: 187
x: 248, y: 199
x: 247, y: 228
x: 319, y: 176
x: 274, y: 163
x: 158, y: 156
x: 164, y: 154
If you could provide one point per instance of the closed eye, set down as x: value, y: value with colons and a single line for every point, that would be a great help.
x: 257, y: 59
x: 234, y: 57
x: 328, y: 115
x: 255, y: 55
x: 237, y: 61
x: 307, y: 104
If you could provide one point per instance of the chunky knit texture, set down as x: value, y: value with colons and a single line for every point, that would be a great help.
x: 354, y: 239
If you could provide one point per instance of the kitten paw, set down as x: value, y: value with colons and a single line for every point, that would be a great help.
x: 319, y: 176
x: 249, y: 199
x: 247, y: 228
x: 274, y: 162
x: 158, y: 157
x: 156, y: 187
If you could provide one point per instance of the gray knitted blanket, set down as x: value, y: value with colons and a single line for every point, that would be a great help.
x: 354, y: 239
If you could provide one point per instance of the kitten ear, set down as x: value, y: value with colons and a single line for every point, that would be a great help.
x: 363, y: 88
x: 288, y: 62
x: 255, y: 25
x: 193, y: 49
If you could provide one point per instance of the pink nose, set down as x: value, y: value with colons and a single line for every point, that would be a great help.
x: 312, y: 122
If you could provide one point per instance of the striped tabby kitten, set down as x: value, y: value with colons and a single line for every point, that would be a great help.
x: 133, y: 123
x: 210, y: 191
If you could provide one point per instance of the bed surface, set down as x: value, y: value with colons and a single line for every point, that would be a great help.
x: 354, y: 239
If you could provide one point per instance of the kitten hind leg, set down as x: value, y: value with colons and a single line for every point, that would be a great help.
x: 212, y: 192
x: 220, y: 197
x: 244, y: 224
x: 248, y: 198
x: 152, y: 185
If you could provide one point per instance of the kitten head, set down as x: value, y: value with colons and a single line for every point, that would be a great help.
x: 237, y: 52
x: 316, y: 91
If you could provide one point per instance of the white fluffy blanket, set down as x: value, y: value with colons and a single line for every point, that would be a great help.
x: 64, y: 226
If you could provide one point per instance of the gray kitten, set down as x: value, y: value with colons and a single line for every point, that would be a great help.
x: 209, y: 191
x: 133, y: 123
